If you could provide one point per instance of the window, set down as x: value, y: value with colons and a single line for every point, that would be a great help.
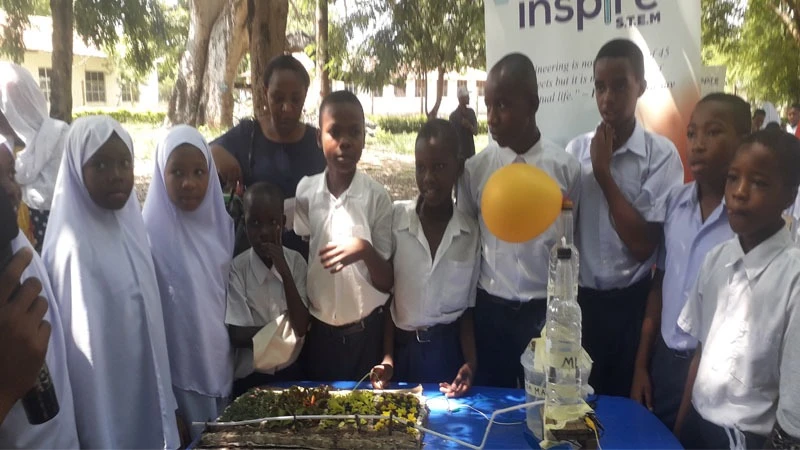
x: 462, y: 84
x: 95, y: 87
x: 377, y: 93
x: 419, y: 88
x: 445, y: 85
x: 130, y: 92
x: 481, y: 85
x: 44, y: 81
x: 399, y: 90
x: 351, y: 88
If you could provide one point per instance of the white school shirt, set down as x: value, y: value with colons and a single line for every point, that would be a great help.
x: 60, y: 431
x: 740, y: 309
x: 256, y: 298
x: 516, y: 271
x: 645, y: 168
x: 431, y: 291
x: 364, y: 210
x: 687, y: 240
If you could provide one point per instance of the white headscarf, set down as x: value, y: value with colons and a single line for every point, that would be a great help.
x: 25, y: 107
x: 103, y: 277
x: 192, y: 253
x: 58, y: 432
x: 771, y: 115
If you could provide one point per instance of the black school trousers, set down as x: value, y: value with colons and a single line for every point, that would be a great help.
x: 698, y: 433
x: 344, y: 353
x: 430, y: 356
x: 668, y: 372
x: 503, y: 328
x: 612, y: 326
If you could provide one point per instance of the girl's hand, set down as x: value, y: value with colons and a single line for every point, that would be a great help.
x: 460, y: 384
x: 381, y: 374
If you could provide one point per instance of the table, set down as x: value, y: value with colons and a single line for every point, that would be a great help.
x: 628, y: 425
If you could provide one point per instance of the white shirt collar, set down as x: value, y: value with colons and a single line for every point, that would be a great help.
x: 260, y: 270
x: 508, y: 156
x: 759, y: 258
x: 352, y: 191
x: 410, y: 220
x: 636, y: 143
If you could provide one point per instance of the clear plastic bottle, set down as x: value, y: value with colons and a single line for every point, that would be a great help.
x: 565, y: 240
x: 563, y: 337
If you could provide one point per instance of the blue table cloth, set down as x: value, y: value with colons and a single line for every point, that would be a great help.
x: 627, y: 424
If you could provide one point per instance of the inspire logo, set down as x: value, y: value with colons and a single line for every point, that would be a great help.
x: 580, y: 11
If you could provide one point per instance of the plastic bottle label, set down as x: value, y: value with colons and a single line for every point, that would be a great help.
x: 535, y: 390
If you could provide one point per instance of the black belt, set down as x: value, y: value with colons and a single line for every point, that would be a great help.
x: 350, y: 328
x: 513, y: 304
x: 781, y: 439
x: 423, y: 335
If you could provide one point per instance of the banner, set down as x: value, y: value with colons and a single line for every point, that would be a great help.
x: 562, y: 38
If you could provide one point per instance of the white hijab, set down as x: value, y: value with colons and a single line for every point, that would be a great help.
x: 58, y: 432
x: 25, y: 107
x: 102, y: 274
x: 771, y: 115
x: 192, y: 252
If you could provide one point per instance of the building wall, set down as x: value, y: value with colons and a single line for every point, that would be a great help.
x: 148, y: 91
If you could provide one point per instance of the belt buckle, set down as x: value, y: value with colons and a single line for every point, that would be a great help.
x: 422, y: 335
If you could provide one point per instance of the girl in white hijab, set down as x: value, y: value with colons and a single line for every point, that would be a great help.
x: 191, y: 237
x: 25, y: 109
x: 102, y: 273
x: 771, y: 115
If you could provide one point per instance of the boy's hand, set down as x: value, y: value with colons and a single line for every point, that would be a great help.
x: 601, y: 149
x: 381, y: 374
x: 338, y: 255
x: 641, y: 389
x: 460, y: 384
x: 275, y: 252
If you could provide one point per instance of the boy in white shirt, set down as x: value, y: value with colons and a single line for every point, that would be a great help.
x: 512, y: 286
x: 348, y: 217
x: 627, y: 173
x: 431, y: 338
x: 266, y: 316
x: 745, y: 308
x: 696, y: 222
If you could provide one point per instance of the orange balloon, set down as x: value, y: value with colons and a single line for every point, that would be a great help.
x: 520, y: 202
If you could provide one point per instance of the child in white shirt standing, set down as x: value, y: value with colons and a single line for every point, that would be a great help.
x: 512, y: 287
x: 436, y: 260
x: 627, y: 174
x: 745, y: 308
x: 267, y: 316
x: 348, y: 217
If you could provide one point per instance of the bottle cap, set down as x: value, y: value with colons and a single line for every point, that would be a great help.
x: 564, y: 253
x: 566, y: 203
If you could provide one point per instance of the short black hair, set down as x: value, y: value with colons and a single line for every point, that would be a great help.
x: 441, y: 130
x: 772, y: 126
x: 786, y: 148
x: 739, y: 109
x: 759, y: 112
x: 264, y: 190
x: 520, y: 69
x: 796, y: 106
x: 286, y: 62
x: 338, y: 98
x: 623, y: 48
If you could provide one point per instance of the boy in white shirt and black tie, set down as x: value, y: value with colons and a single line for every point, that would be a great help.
x: 627, y: 173
x: 512, y: 286
x: 745, y: 309
x: 348, y: 217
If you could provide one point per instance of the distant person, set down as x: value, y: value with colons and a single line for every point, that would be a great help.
x: 466, y: 123
x: 39, y: 140
x: 758, y: 120
x: 771, y: 116
x: 794, y: 117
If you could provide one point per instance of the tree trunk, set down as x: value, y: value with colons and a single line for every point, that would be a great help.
x: 322, y: 48
x: 61, y: 91
x: 227, y: 44
x: 439, y: 88
x: 267, y: 31
x: 186, y: 95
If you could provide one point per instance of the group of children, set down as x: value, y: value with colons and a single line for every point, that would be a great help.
x: 157, y: 316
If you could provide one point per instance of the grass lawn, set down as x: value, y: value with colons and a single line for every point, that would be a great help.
x: 388, y: 158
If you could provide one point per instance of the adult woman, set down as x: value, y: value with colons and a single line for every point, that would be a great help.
x: 25, y: 120
x: 277, y: 147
